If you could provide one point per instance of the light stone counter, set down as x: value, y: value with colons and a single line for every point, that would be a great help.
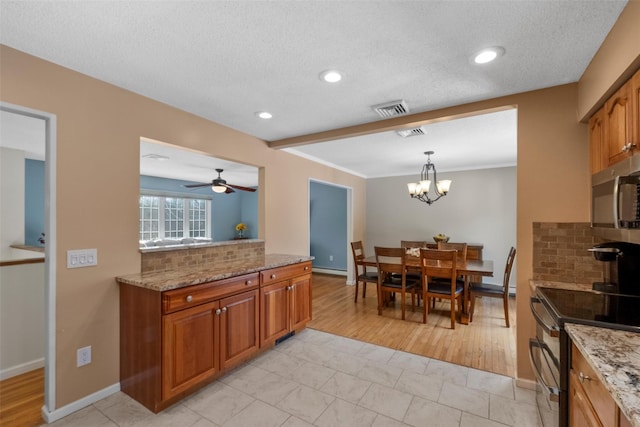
x: 173, y: 279
x: 615, y: 356
x: 533, y: 284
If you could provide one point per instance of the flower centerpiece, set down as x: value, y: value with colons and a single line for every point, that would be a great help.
x: 240, y: 229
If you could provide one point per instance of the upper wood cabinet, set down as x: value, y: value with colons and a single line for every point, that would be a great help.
x: 618, y: 129
x: 614, y: 130
x: 598, y: 152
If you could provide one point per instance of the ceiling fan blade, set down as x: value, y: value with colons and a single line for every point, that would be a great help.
x: 240, y: 187
x: 197, y: 185
x: 229, y: 190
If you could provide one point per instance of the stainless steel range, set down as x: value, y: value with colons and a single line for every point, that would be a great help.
x: 613, y: 303
x: 550, y: 349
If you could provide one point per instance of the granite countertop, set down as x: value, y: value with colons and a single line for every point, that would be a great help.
x: 174, y: 279
x: 533, y: 284
x: 615, y: 356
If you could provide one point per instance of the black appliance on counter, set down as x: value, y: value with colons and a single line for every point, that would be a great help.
x: 618, y: 308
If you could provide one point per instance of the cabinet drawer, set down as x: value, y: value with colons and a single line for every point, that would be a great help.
x: 190, y: 296
x: 596, y: 392
x: 282, y: 273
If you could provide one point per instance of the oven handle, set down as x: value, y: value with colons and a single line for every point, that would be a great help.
x: 552, y: 330
x: 554, y: 392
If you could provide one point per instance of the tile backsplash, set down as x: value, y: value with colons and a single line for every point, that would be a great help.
x: 216, y: 254
x: 560, y: 252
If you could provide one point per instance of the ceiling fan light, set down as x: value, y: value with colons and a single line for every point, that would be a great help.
x: 218, y: 188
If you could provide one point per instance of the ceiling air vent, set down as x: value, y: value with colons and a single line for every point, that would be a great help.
x: 391, y: 109
x: 405, y: 133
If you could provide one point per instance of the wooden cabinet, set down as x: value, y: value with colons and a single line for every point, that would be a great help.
x: 285, y: 301
x: 614, y: 130
x: 189, y: 348
x: 618, y: 120
x: 199, y: 342
x: 590, y: 403
x: 598, y: 151
x: 176, y: 341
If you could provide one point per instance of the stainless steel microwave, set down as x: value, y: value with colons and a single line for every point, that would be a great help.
x: 615, y: 196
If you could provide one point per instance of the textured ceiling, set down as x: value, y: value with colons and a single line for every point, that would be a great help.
x: 226, y: 60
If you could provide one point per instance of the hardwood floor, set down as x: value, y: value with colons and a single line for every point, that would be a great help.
x: 21, y: 398
x: 484, y: 344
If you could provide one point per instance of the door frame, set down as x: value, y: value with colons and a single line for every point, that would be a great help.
x: 50, y: 121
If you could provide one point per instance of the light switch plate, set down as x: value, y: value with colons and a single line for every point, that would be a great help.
x: 82, y: 258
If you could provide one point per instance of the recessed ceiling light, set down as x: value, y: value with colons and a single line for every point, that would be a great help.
x: 488, y: 55
x: 158, y: 157
x: 264, y: 114
x: 331, y: 76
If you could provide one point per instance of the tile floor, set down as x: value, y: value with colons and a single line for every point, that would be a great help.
x: 320, y: 379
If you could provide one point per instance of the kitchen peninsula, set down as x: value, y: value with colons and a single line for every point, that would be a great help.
x: 194, y: 312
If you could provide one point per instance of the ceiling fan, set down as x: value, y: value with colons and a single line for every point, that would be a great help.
x: 219, y: 185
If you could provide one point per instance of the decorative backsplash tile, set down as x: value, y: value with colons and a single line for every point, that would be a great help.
x: 217, y: 254
x: 560, y: 252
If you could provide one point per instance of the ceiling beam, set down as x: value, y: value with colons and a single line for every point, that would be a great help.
x: 392, y: 124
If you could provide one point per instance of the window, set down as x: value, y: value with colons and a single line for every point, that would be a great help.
x: 174, y: 217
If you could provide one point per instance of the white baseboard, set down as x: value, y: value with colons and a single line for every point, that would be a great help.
x: 528, y: 384
x: 72, y: 407
x: 329, y: 271
x: 12, y: 371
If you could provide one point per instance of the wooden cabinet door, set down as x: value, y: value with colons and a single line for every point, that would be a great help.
x: 274, y: 312
x: 618, y: 123
x: 635, y: 109
x: 597, y: 148
x: 300, y: 301
x: 238, y: 328
x: 581, y: 413
x: 189, y: 348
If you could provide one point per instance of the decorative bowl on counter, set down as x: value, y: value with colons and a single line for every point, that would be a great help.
x: 441, y: 238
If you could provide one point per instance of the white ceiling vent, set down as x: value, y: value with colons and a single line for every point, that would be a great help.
x: 405, y: 133
x: 391, y: 109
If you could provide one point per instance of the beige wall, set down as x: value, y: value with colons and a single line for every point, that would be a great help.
x: 99, y: 129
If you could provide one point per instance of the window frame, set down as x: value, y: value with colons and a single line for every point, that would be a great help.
x: 162, y: 196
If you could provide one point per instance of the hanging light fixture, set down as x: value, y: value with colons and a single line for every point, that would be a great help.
x: 420, y: 190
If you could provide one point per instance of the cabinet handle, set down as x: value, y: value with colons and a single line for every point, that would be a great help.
x: 189, y: 298
x: 584, y: 377
x: 218, y: 311
x: 306, y: 267
x: 289, y: 288
x: 224, y: 309
x: 273, y: 276
x: 248, y: 282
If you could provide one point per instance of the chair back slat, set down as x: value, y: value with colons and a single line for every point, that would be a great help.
x: 408, y: 244
x: 390, y: 260
x: 460, y: 247
x: 429, y: 269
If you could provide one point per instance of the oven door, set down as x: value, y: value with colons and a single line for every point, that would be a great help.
x: 544, y: 353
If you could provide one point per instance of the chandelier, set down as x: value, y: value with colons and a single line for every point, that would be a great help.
x: 420, y: 190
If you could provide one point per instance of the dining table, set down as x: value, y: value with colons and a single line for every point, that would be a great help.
x: 468, y: 269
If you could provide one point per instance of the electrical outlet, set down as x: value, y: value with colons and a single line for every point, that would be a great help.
x: 84, y: 356
x: 330, y: 257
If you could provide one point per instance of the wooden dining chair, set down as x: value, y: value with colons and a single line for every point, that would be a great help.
x: 413, y: 244
x: 460, y: 247
x: 362, y: 275
x: 440, y: 264
x: 494, y: 291
x: 392, y: 276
